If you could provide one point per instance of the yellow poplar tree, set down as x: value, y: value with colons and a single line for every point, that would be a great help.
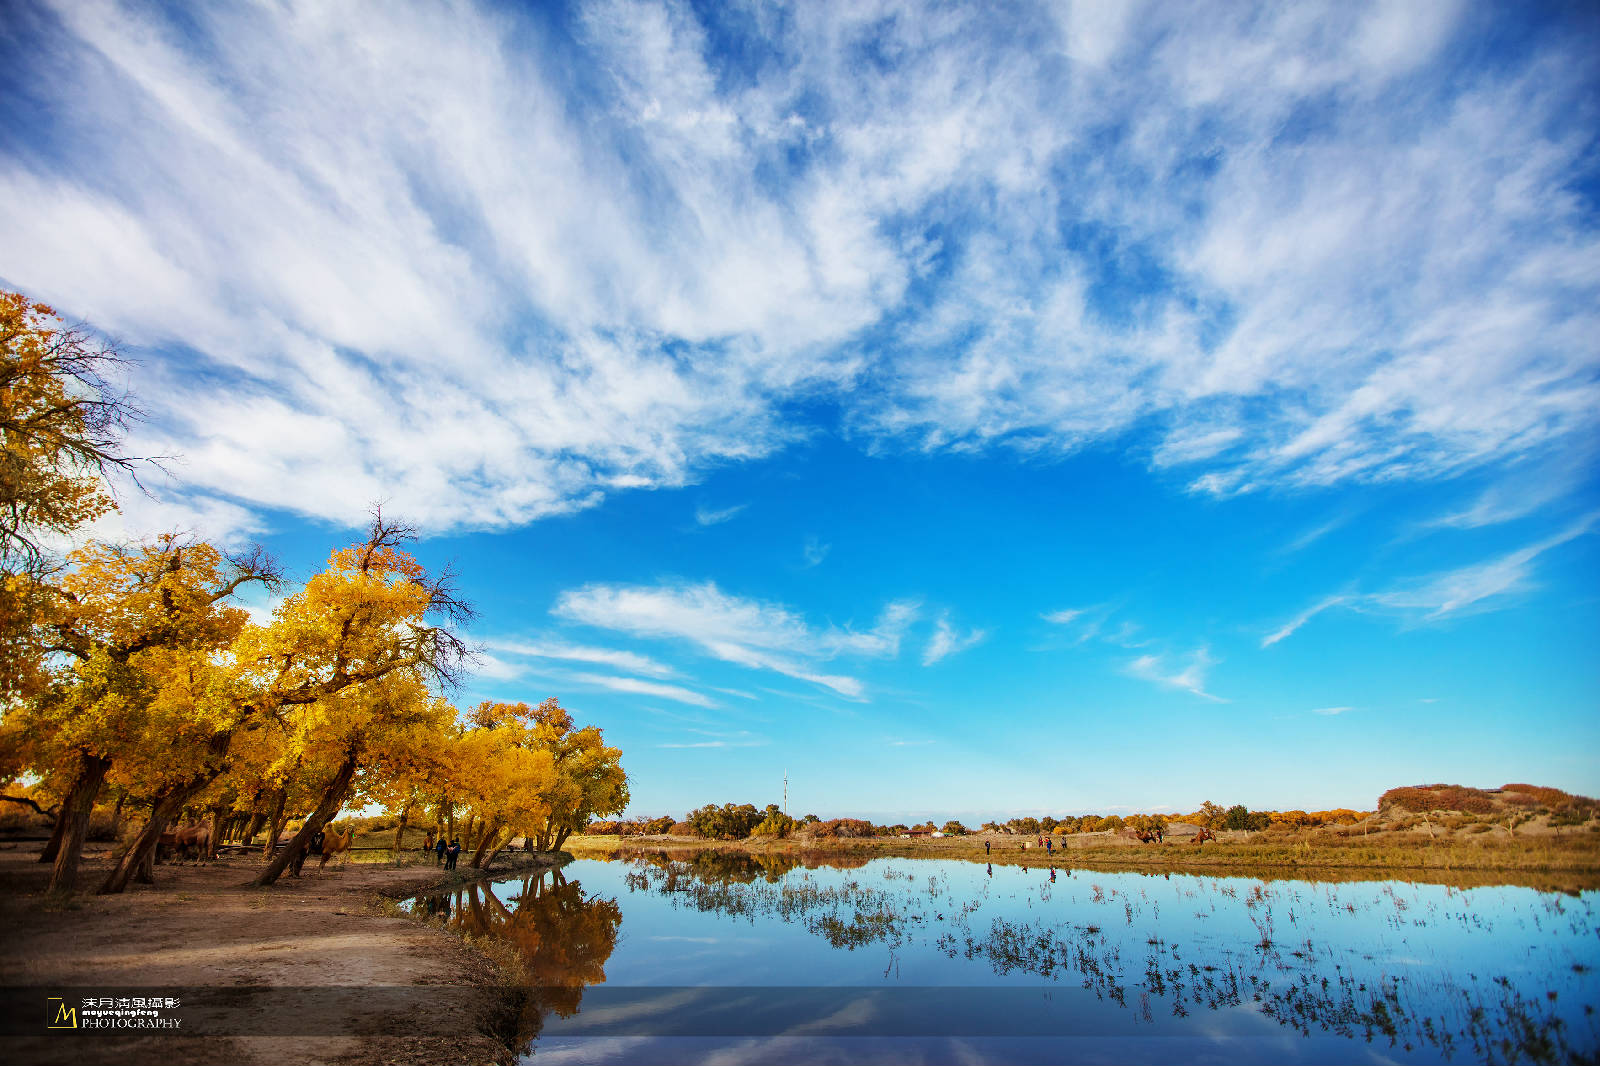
x: 590, y: 782
x: 124, y: 622
x: 361, y: 619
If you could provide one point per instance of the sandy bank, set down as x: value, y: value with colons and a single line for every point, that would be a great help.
x: 331, y: 931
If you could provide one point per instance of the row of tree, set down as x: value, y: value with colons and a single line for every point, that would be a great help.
x: 132, y: 675
x: 740, y: 821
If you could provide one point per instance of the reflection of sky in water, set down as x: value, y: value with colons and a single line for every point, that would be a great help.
x: 927, y: 960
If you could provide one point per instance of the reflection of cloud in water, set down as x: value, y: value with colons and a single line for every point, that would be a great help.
x: 1305, y: 959
x: 855, y: 1014
x: 689, y: 939
x: 658, y: 1006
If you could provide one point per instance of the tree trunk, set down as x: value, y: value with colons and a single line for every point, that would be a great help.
x: 116, y: 814
x: 497, y: 849
x: 218, y: 818
x: 490, y: 833
x: 400, y: 832
x: 75, y: 811
x: 143, y: 846
x: 137, y: 857
x: 53, y: 848
x: 275, y: 822
x: 332, y: 799
x: 561, y: 838
x: 252, y: 827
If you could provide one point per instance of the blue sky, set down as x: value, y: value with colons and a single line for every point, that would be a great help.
x: 1090, y: 407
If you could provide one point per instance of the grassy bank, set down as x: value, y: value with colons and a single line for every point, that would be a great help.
x: 1565, y: 862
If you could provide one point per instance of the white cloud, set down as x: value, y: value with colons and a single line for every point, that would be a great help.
x: 1062, y: 617
x: 1191, y: 678
x: 749, y: 633
x: 622, y: 660
x: 1314, y: 534
x: 1288, y: 628
x: 1484, y: 586
x: 495, y: 668
x: 1481, y: 586
x: 492, y: 271
x: 636, y: 686
x: 815, y: 551
x: 707, y: 517
x: 1331, y: 711
x: 947, y: 640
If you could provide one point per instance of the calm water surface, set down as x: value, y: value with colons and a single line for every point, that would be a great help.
x: 735, y: 958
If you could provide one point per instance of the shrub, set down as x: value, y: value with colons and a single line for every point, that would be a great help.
x: 1241, y: 817
x: 1425, y: 798
x: 775, y: 824
x: 844, y: 828
x: 728, y: 822
x: 953, y: 828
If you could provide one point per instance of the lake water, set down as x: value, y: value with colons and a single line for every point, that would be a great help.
x: 735, y: 958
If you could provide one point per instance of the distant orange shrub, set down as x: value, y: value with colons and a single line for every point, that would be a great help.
x: 842, y: 827
x: 1545, y: 797
x: 1425, y: 798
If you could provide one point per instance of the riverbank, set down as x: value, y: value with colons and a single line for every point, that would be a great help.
x: 331, y: 937
x: 1559, y: 862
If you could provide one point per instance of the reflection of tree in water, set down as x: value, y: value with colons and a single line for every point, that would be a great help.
x: 1306, y: 988
x: 748, y: 886
x: 737, y: 867
x: 562, y: 938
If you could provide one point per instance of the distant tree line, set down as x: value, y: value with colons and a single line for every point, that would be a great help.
x: 741, y: 821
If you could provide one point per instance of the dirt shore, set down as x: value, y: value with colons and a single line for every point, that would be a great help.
x: 331, y: 932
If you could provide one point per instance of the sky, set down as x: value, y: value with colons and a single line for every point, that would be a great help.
x: 961, y: 410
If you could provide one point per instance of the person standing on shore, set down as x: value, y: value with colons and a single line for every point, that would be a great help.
x: 438, y: 852
x: 453, y: 854
x: 427, y: 842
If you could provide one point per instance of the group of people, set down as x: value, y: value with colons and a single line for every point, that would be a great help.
x: 443, y: 853
x: 1047, y: 843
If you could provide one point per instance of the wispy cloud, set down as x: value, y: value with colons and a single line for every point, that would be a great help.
x: 947, y: 640
x: 707, y: 517
x: 1483, y: 586
x: 815, y: 551
x: 1331, y: 711
x: 622, y: 660
x: 1314, y: 534
x: 639, y: 687
x: 742, y: 738
x: 1065, y: 616
x: 567, y: 260
x: 750, y: 633
x: 1289, y: 628
x: 1190, y: 678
